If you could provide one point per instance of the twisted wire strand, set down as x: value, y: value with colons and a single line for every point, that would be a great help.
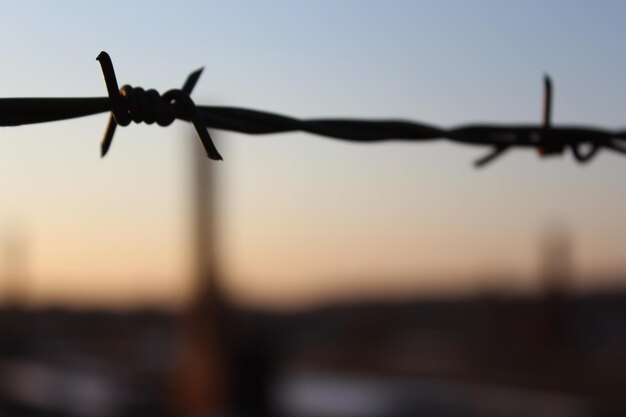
x: 134, y: 104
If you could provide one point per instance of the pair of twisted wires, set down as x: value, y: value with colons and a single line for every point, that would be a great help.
x: 134, y: 104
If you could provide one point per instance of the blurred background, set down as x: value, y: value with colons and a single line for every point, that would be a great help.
x: 303, y: 276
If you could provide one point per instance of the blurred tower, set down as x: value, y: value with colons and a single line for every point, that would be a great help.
x: 203, y: 202
x: 556, y: 259
x: 15, y: 266
x: 204, y: 385
x: 557, y: 274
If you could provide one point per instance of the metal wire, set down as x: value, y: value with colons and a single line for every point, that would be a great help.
x: 138, y: 105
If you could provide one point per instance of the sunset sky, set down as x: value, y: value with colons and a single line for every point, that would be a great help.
x: 303, y: 217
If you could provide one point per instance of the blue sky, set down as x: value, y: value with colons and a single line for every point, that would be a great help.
x: 304, y: 217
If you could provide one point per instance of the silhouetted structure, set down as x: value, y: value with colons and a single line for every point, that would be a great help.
x: 205, y: 380
x: 15, y: 268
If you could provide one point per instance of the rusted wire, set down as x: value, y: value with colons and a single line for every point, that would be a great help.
x: 138, y: 105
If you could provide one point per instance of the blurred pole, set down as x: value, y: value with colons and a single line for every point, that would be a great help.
x: 15, y: 265
x: 557, y: 275
x: 557, y: 259
x: 203, y: 225
x: 204, y: 380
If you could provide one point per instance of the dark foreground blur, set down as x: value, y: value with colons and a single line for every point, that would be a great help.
x: 548, y: 355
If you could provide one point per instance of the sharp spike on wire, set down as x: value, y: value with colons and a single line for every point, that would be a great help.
x: 547, y: 101
x: 547, y: 144
x: 491, y: 156
x: 191, y: 81
x: 117, y: 103
x: 107, y: 139
x: 205, y: 138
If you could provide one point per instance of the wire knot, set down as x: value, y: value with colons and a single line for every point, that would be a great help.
x: 134, y: 104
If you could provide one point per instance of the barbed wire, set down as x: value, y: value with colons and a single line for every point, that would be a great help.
x: 148, y: 106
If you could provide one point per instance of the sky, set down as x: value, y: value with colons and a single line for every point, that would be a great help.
x: 303, y: 218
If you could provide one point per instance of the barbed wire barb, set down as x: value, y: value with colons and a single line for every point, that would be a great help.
x: 148, y: 106
x: 138, y: 105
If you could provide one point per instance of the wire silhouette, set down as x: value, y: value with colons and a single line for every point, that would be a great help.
x: 138, y: 105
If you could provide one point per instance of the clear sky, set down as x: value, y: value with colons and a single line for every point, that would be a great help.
x: 302, y: 217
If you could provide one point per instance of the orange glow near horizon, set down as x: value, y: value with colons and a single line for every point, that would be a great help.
x: 303, y: 219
